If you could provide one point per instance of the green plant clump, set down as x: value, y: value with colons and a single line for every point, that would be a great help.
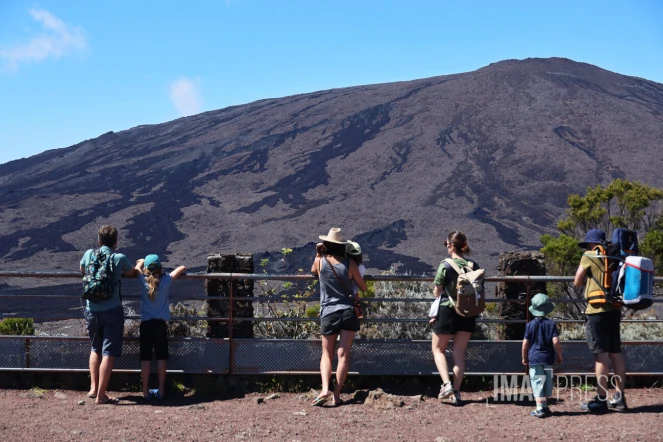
x: 17, y: 326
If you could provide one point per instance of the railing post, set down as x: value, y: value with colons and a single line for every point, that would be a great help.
x: 27, y: 353
x: 527, y: 305
x: 231, y: 355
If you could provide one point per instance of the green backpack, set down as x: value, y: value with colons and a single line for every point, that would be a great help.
x: 99, y: 281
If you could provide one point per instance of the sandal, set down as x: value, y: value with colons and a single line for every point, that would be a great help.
x: 337, y: 403
x: 320, y: 400
x: 92, y: 396
x: 109, y: 401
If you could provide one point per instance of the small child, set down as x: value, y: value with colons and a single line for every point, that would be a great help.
x: 154, y: 312
x: 353, y: 252
x: 540, y: 346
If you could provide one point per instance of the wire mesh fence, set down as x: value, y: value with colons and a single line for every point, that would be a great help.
x: 393, y: 339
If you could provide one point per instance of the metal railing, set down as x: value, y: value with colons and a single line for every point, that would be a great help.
x: 301, y: 356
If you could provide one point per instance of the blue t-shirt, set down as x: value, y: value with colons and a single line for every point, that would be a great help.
x: 540, y: 332
x: 160, y: 307
x: 121, y: 265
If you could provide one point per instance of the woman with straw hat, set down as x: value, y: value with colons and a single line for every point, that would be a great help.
x: 337, y: 315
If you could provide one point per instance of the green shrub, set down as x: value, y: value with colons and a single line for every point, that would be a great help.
x: 186, y: 329
x: 17, y: 326
x: 286, y: 300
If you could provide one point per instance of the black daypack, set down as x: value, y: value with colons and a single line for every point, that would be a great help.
x: 99, y: 281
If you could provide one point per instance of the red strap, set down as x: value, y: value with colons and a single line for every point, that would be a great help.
x: 636, y: 267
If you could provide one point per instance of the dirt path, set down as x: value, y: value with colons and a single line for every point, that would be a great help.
x: 70, y: 416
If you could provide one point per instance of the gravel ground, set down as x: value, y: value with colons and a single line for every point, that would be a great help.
x: 34, y: 415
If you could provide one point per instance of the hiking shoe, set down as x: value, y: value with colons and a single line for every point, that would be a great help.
x: 446, y: 390
x: 618, y: 403
x: 541, y: 412
x: 456, y: 400
x: 596, y: 405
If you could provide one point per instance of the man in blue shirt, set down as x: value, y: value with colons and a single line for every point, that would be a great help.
x: 104, y: 320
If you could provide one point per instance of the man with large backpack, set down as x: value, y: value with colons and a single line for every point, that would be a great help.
x: 104, y: 316
x: 603, y: 323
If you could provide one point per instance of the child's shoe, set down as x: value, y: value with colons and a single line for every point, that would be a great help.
x: 541, y: 412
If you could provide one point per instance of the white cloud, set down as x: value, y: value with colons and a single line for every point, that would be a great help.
x: 55, y: 40
x: 185, y: 95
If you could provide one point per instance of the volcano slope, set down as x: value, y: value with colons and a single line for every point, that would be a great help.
x: 494, y: 152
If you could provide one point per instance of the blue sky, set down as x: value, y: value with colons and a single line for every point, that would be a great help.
x: 70, y: 71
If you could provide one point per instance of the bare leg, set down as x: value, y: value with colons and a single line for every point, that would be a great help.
x: 328, y: 344
x: 602, y: 369
x: 461, y: 339
x: 145, y: 373
x: 161, y: 369
x: 105, y: 370
x: 344, y: 347
x: 620, y: 370
x: 95, y: 362
x: 439, y: 347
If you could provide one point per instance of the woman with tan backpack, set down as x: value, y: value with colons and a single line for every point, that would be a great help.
x: 449, y: 324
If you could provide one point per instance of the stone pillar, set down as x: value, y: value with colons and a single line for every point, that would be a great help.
x: 220, y: 263
x: 514, y: 264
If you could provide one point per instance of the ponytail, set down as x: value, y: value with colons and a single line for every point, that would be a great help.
x: 459, y: 242
x: 152, y: 278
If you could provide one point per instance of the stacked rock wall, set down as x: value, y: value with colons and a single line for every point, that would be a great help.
x: 222, y: 263
x: 514, y: 264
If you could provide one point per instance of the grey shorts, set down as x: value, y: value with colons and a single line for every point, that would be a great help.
x: 106, y: 331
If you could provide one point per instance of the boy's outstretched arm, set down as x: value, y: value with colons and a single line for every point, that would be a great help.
x: 525, y: 350
x: 177, y: 272
x: 558, y: 349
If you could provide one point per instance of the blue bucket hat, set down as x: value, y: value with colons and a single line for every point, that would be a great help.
x: 541, y: 305
x: 152, y: 262
x: 596, y: 236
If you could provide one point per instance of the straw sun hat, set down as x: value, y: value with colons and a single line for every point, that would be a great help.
x: 334, y: 236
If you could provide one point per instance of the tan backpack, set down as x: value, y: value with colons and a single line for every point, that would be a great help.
x: 470, y: 298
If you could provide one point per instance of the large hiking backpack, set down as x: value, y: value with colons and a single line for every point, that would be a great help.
x: 470, y: 299
x: 99, y: 280
x: 633, y: 275
x: 605, y: 295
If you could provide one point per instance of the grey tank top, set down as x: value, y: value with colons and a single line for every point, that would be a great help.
x: 333, y: 294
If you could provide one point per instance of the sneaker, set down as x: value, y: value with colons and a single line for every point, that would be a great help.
x: 596, y: 405
x: 446, y: 390
x: 618, y: 403
x: 541, y: 412
x: 456, y: 400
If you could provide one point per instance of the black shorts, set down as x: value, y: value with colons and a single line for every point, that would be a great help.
x: 153, y: 334
x: 449, y: 322
x: 333, y: 323
x: 602, y: 332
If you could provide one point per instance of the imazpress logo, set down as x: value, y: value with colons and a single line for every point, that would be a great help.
x: 514, y: 388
